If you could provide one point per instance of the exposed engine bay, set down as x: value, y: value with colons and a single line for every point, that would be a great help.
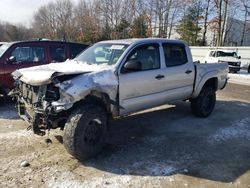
x: 46, y: 104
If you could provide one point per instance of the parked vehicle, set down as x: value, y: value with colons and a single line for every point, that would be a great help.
x: 113, y: 79
x: 246, y: 66
x: 224, y: 56
x: 16, y: 55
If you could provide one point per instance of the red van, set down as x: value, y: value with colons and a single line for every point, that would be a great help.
x: 17, y: 55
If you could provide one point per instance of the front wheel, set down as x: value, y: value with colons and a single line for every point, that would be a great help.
x: 203, y: 105
x: 86, y: 131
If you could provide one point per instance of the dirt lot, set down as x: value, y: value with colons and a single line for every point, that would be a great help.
x: 163, y: 147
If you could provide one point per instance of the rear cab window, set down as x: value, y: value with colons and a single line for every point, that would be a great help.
x: 175, y: 54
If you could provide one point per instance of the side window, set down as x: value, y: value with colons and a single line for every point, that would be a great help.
x: 175, y: 54
x: 28, y: 54
x: 147, y: 55
x: 76, y: 49
x: 57, y: 53
x: 212, y: 54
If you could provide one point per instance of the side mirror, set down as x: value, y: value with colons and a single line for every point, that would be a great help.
x: 239, y: 57
x: 132, y: 66
x: 11, y: 59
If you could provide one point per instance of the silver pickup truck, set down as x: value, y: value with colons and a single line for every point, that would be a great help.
x: 113, y: 79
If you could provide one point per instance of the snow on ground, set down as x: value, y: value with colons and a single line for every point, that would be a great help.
x: 242, y: 78
x: 239, y: 129
x: 8, y: 114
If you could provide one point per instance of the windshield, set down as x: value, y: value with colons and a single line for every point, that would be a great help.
x: 102, y: 53
x: 226, y: 54
x: 3, y: 48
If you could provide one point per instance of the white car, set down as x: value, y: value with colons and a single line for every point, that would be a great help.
x: 224, y: 56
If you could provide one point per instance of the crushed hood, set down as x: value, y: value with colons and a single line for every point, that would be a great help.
x: 44, y: 74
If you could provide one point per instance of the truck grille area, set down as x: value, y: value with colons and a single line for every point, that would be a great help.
x: 29, y: 93
x: 234, y: 64
x: 33, y: 94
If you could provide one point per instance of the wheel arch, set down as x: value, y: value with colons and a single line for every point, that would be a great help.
x: 211, y: 82
x: 96, y: 97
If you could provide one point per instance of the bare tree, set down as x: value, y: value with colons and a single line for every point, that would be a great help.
x: 10, y: 32
x: 205, y: 22
x: 246, y: 9
x: 218, y: 4
x: 55, y: 20
x: 224, y: 20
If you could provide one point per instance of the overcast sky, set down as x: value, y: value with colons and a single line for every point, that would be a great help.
x: 20, y: 11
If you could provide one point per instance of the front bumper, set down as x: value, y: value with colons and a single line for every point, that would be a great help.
x: 234, y: 68
x: 37, y: 119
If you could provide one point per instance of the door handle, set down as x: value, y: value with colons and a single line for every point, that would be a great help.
x: 159, y: 76
x: 188, y: 71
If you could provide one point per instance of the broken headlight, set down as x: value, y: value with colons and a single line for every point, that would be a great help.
x: 52, y: 93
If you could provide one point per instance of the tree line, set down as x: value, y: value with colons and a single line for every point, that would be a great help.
x: 90, y: 21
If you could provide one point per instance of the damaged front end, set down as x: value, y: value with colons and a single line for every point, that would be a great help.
x: 35, y: 96
x: 34, y: 106
x: 46, y: 103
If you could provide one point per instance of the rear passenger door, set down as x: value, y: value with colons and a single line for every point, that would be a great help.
x: 23, y: 56
x: 179, y: 71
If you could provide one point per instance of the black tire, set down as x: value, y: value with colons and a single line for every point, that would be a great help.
x: 203, y: 105
x: 248, y: 70
x: 85, y: 132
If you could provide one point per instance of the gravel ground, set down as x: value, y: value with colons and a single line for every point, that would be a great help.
x: 161, y: 147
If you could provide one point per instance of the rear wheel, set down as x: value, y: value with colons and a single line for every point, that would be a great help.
x: 85, y: 132
x: 203, y: 105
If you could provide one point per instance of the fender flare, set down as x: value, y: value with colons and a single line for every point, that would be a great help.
x: 205, y: 78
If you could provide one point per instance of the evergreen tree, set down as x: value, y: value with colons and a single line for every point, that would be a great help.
x: 139, y: 27
x: 123, y: 29
x: 189, y: 28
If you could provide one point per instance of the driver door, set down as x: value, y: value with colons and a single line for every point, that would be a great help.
x: 142, y: 88
x: 22, y: 57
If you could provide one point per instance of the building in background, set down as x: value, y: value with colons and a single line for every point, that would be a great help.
x: 234, y: 34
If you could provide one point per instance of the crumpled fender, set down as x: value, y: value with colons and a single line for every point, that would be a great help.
x: 79, y: 87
